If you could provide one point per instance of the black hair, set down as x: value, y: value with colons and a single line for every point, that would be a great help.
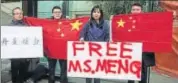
x: 101, y: 11
x: 137, y: 4
x: 15, y: 9
x: 56, y: 7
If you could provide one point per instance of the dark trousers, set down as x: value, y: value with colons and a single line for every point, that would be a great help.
x: 39, y: 72
x: 89, y: 80
x: 19, y: 70
x: 144, y: 74
x: 52, y: 67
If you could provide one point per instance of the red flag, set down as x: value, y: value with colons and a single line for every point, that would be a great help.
x: 57, y: 33
x: 153, y: 29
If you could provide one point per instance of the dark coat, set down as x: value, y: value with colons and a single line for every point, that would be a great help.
x: 17, y: 23
x: 88, y: 35
x: 148, y: 58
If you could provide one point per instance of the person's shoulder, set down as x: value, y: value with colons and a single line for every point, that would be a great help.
x: 11, y: 24
x: 106, y: 22
x: 87, y: 23
x: 49, y: 18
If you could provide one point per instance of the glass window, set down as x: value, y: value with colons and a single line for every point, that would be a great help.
x: 45, y: 9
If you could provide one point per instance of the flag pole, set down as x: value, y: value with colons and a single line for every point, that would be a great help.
x: 110, y: 28
x: 148, y: 76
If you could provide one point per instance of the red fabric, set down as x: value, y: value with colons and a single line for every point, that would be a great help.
x: 55, y: 45
x: 153, y: 29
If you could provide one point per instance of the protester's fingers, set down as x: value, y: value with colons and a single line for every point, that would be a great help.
x: 110, y: 41
x: 174, y: 14
x: 82, y: 39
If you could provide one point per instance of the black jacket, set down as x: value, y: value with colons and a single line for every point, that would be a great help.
x: 148, y: 58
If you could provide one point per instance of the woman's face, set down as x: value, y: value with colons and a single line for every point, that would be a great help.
x: 57, y: 13
x: 96, y: 14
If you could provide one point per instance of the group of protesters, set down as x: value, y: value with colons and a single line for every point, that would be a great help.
x: 96, y: 29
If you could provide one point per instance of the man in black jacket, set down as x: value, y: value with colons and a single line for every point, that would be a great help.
x: 148, y: 58
x: 19, y: 67
x: 42, y: 70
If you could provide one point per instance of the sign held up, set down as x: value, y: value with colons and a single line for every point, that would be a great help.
x: 116, y: 60
x: 21, y: 42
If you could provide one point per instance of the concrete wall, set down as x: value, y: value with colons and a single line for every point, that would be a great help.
x: 7, y: 7
x: 5, y: 18
x: 6, y: 11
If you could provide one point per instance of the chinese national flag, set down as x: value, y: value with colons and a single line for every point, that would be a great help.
x: 153, y: 29
x: 56, y: 33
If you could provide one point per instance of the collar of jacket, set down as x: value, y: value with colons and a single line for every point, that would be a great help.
x: 100, y: 25
x: 16, y: 22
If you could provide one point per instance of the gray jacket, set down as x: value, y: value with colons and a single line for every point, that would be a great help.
x: 17, y: 23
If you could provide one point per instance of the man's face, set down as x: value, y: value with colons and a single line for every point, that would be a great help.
x: 136, y: 10
x: 18, y: 14
x: 57, y: 13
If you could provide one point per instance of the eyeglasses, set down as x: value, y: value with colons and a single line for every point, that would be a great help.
x: 56, y: 12
x: 18, y: 13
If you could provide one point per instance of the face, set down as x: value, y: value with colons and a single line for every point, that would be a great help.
x: 96, y: 14
x: 57, y: 13
x: 18, y: 14
x: 136, y: 10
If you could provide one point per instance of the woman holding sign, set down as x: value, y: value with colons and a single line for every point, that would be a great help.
x: 97, y: 29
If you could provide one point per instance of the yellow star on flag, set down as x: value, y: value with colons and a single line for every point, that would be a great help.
x: 62, y: 35
x: 58, y: 30
x: 59, y: 23
x: 76, y: 25
x: 121, y: 23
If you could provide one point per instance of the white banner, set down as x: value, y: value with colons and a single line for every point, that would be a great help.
x: 104, y: 60
x: 21, y: 42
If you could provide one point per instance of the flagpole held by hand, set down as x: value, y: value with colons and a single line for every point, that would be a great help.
x: 110, y: 38
x: 174, y: 14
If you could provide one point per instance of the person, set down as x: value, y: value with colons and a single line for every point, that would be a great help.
x: 148, y: 58
x: 96, y: 29
x: 57, y: 15
x: 19, y: 67
x: 42, y: 69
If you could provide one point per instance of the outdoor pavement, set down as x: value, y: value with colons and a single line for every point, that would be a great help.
x: 154, y: 77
